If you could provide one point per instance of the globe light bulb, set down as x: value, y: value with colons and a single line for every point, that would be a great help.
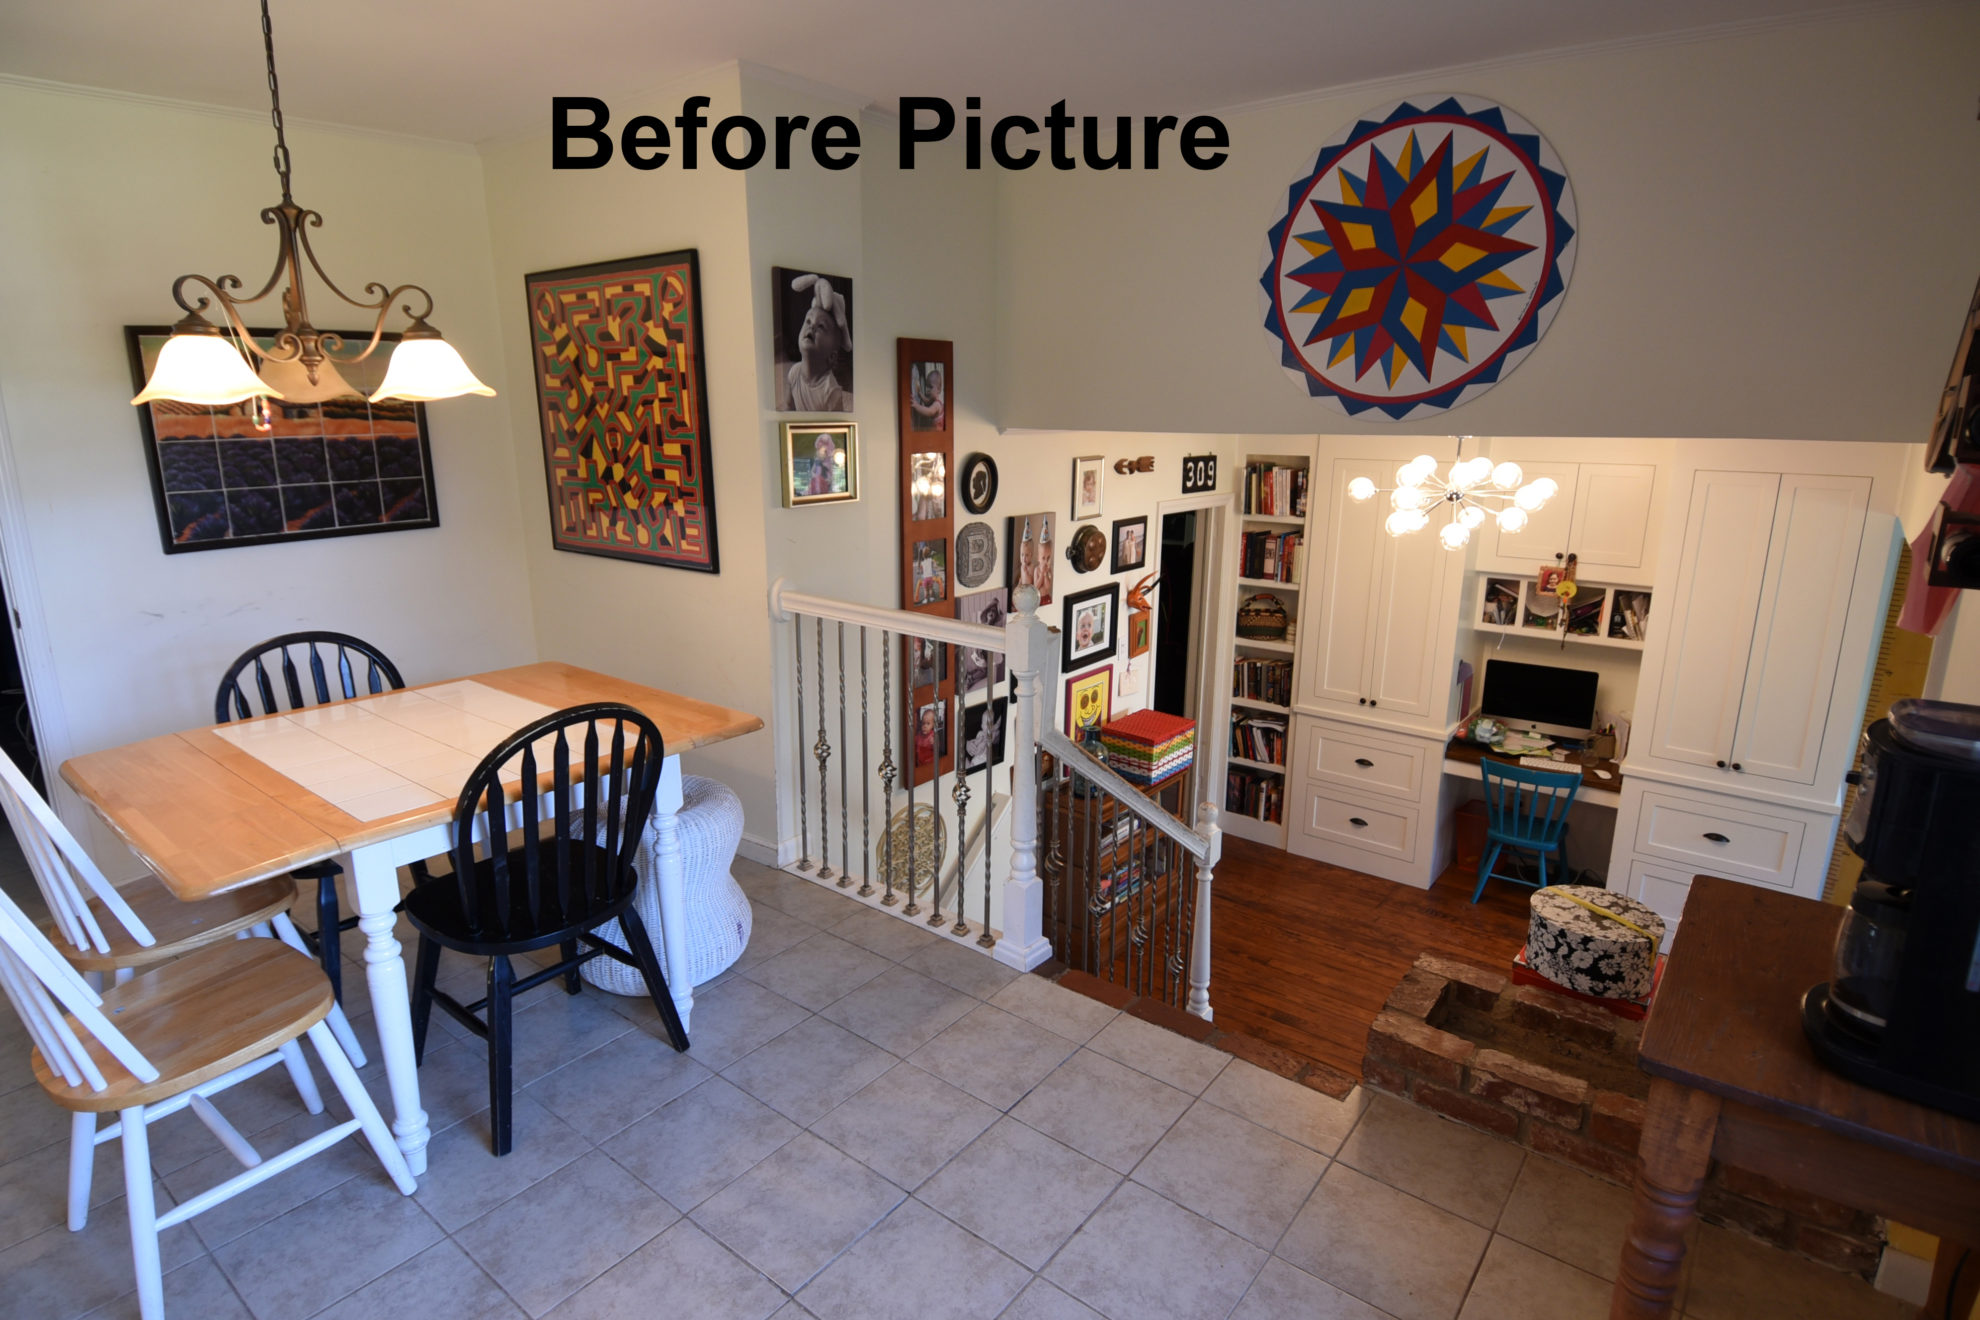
x: 1471, y: 516
x: 1453, y: 535
x: 1512, y: 519
x: 1507, y: 475
x: 1408, y: 497
x: 1548, y: 488
x: 1409, y: 475
x: 1529, y: 498
x: 1424, y: 463
x: 1361, y: 489
x: 1404, y: 521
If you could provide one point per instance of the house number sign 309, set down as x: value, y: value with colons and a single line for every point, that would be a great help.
x: 1199, y: 473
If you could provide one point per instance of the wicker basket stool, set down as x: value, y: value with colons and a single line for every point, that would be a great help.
x: 718, y: 913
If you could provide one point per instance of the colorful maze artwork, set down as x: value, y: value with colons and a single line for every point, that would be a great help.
x: 622, y: 395
x: 1420, y: 259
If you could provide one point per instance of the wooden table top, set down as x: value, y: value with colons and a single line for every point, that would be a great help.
x: 206, y: 815
x: 1727, y: 1019
x: 1471, y: 754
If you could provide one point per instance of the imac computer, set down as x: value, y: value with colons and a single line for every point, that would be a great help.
x: 1543, y: 698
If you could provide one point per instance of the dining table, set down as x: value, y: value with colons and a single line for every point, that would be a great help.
x: 374, y: 781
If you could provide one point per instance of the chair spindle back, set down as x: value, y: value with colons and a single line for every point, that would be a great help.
x: 1527, y: 806
x: 613, y: 791
x: 41, y: 984
x: 59, y: 863
x: 250, y: 674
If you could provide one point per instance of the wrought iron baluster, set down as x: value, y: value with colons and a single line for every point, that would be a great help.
x: 961, y: 794
x: 865, y: 779
x: 954, y: 730
x: 911, y: 909
x: 822, y: 750
x: 803, y: 783
x: 845, y: 827
x: 1090, y: 851
x: 887, y: 765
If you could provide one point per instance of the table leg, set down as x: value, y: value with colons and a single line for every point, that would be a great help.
x: 375, y: 882
x: 673, y: 887
x: 1670, y: 1171
x: 1955, y: 1282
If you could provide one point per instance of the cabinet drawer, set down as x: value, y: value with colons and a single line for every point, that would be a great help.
x: 1352, y: 759
x: 1386, y: 829
x: 1712, y: 837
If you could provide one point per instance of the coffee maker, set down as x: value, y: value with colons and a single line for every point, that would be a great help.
x: 1901, y: 1011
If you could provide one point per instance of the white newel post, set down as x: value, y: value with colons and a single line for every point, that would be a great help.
x: 1199, y: 961
x: 1033, y: 668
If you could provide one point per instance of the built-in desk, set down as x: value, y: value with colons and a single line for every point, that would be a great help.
x: 1461, y: 761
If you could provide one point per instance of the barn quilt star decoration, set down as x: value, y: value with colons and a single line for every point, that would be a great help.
x: 1420, y: 259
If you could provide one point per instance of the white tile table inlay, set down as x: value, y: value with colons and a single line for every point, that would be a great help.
x: 378, y: 756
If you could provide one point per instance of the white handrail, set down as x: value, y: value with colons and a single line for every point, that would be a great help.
x: 1129, y: 796
x: 784, y: 603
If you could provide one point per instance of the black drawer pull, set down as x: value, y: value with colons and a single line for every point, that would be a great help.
x: 1358, y: 822
x: 1740, y: 768
x: 1373, y: 702
x: 1364, y: 701
x: 1717, y: 837
x: 1364, y: 763
x: 1722, y: 765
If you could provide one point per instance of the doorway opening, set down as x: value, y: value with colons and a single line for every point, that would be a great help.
x: 1178, y: 622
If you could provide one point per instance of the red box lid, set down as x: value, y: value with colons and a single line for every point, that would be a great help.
x: 1149, y: 726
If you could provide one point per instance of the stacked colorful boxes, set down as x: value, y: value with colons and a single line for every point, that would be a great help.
x: 1148, y: 747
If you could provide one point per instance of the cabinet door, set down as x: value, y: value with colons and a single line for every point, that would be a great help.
x: 1337, y: 616
x: 1546, y: 533
x: 1403, y: 677
x: 1798, y: 632
x: 1720, y: 575
x: 1611, y: 531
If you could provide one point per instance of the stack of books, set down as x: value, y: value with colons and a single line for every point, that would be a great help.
x: 1149, y: 747
x: 1273, y: 556
x: 1273, y: 491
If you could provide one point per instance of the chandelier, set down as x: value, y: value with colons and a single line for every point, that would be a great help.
x: 1473, y: 490
x: 204, y: 363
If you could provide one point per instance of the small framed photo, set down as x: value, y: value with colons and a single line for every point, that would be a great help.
x: 974, y: 668
x: 928, y: 487
x: 931, y: 571
x: 928, y: 396
x: 931, y: 738
x: 983, y: 734
x: 1130, y: 544
x: 1138, y: 628
x: 821, y: 462
x: 1087, y: 473
x: 1092, y: 619
x: 1089, y: 701
x: 928, y: 662
x: 1028, y: 544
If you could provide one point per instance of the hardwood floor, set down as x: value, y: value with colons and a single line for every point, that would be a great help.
x: 1303, y: 954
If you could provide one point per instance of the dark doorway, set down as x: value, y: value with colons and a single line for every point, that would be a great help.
x: 1174, y: 653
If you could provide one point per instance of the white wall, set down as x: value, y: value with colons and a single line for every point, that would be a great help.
x: 1776, y: 241
x: 103, y: 202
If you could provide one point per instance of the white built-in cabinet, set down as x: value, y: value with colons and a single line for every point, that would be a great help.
x: 1606, y: 513
x: 1377, y: 637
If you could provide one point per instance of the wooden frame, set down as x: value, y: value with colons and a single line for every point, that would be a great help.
x: 977, y: 485
x: 1089, y: 700
x: 1088, y: 486
x: 293, y: 484
x: 927, y: 471
x: 1138, y: 629
x: 801, y: 445
x: 644, y: 492
x: 1079, y: 620
x: 1135, y: 555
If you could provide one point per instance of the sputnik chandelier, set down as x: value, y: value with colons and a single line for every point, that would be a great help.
x: 1464, y: 490
x: 203, y: 363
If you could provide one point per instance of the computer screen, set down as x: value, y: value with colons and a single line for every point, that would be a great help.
x: 1543, y: 697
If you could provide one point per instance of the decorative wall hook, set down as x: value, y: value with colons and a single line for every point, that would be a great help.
x: 1127, y: 466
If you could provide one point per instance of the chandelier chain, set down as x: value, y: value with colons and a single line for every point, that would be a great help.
x: 275, y: 103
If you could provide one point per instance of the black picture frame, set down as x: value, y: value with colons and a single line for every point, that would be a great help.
x: 173, y: 499
x: 1073, y: 607
x: 1122, y: 564
x: 978, y: 484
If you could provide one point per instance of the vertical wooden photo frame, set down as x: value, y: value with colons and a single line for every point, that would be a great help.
x: 924, y: 371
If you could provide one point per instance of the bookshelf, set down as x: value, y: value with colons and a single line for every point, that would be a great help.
x: 1271, y: 559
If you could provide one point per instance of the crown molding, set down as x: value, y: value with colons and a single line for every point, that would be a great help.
x: 1402, y: 82
x: 175, y: 105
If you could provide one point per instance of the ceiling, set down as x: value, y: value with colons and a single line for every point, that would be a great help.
x: 474, y: 70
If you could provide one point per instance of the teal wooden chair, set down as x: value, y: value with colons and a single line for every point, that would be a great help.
x: 1526, y: 810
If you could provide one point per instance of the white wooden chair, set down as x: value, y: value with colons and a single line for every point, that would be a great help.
x: 120, y: 932
x: 169, y: 1038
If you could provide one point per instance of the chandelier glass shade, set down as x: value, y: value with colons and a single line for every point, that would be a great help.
x: 219, y: 364
x: 1470, y: 492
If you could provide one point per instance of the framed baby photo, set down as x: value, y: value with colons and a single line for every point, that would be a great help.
x: 821, y: 463
x: 1091, y: 621
x: 931, y: 571
x: 1130, y: 544
x: 1087, y: 473
x: 811, y: 324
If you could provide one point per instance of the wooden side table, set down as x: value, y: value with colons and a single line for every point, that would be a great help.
x: 1734, y: 1078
